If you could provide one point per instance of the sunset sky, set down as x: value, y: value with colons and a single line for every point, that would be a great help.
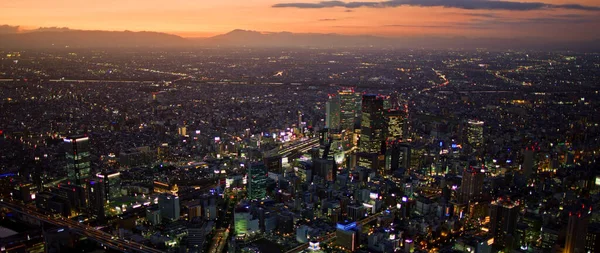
x: 567, y: 20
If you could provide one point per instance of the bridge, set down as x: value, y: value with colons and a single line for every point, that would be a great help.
x: 105, y: 239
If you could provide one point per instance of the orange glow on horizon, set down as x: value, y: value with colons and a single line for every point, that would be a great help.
x: 209, y: 18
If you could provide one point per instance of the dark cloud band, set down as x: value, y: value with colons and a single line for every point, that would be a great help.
x: 460, y: 4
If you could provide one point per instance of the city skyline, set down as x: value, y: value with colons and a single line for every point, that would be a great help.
x: 554, y: 20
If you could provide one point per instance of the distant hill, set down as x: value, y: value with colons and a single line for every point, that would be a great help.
x: 288, y: 39
x: 63, y: 37
x: 90, y: 39
x: 244, y: 38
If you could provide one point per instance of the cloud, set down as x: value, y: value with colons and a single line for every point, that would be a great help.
x: 421, y: 26
x: 328, y: 19
x: 8, y: 29
x: 459, y: 4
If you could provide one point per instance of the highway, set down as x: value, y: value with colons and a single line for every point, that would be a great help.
x: 219, y: 240
x: 106, y: 239
x: 332, y: 235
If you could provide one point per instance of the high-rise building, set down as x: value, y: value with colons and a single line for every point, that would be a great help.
x: 471, y: 185
x: 372, y: 133
x: 96, y: 199
x: 475, y: 134
x: 528, y: 162
x: 347, y: 236
x: 325, y: 168
x: 257, y: 181
x: 396, y: 124
x: 503, y: 222
x: 347, y: 108
x: 244, y: 222
x: 274, y: 164
x: 397, y: 156
x: 111, y: 181
x: 577, y: 228
x: 169, y: 206
x: 332, y: 113
x: 78, y: 158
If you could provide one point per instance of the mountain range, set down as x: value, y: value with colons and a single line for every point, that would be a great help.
x: 64, y: 37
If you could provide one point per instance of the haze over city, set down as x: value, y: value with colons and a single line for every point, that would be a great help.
x: 552, y: 20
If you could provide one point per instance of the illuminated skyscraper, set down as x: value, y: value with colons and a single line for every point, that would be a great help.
x: 347, y: 105
x: 78, y: 158
x: 471, y: 186
x: 503, y: 222
x: 257, y: 181
x: 332, y: 114
x: 373, y: 128
x: 111, y: 181
x: 396, y: 124
x: 475, y: 134
x: 577, y: 229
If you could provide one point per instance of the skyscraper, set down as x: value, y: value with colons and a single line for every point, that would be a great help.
x: 577, y: 229
x: 169, y: 206
x: 347, y: 108
x: 503, y: 222
x: 332, y: 113
x: 397, y: 156
x: 528, y: 162
x: 373, y: 130
x: 273, y: 164
x: 96, y: 199
x: 111, y: 182
x: 471, y: 186
x: 475, y: 134
x: 78, y: 158
x: 257, y: 181
x: 347, y: 236
x: 396, y: 124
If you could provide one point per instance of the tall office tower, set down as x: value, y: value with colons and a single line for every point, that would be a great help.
x: 347, y: 236
x: 169, y: 206
x: 471, y: 186
x: 528, y: 162
x: 78, y: 158
x: 111, y: 181
x: 347, y: 108
x: 396, y: 124
x: 273, y: 164
x: 332, y: 113
x: 577, y: 229
x: 475, y: 134
x: 257, y: 181
x: 503, y: 222
x: 357, y: 108
x: 373, y: 128
x: 325, y: 168
x: 397, y: 156
x: 96, y: 200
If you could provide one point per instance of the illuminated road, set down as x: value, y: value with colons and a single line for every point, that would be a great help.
x: 332, y: 235
x: 219, y: 241
x: 99, y: 236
